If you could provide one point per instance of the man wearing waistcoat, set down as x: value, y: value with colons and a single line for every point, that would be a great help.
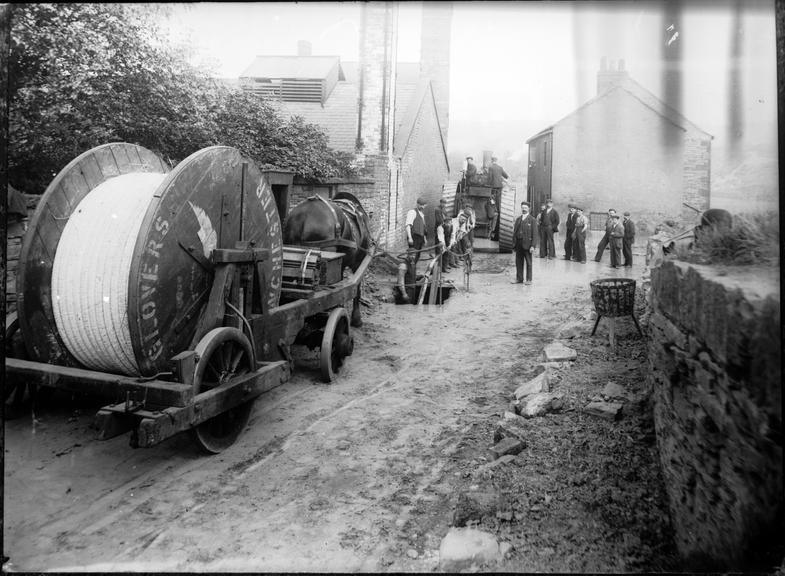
x: 415, y: 229
x: 524, y: 236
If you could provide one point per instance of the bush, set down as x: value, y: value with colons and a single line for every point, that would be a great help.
x: 753, y: 239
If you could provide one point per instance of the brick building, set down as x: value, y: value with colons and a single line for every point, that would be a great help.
x: 623, y: 149
x: 392, y: 116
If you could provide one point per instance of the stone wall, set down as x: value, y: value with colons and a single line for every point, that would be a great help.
x: 715, y: 371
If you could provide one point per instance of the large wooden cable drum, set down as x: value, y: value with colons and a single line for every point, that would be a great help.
x: 132, y: 292
x: 90, y: 272
x: 34, y: 275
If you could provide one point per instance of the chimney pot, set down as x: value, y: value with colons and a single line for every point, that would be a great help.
x: 303, y: 48
x: 603, y: 64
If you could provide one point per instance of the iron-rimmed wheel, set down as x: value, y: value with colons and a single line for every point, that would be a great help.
x: 337, y: 343
x: 224, y: 354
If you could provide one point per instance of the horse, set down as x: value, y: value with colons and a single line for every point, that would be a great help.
x: 340, y: 224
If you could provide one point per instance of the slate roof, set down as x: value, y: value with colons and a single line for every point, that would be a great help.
x: 644, y: 97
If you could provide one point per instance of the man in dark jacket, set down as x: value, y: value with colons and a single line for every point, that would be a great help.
x: 524, y: 236
x: 496, y: 178
x: 570, y: 226
x: 607, y: 237
x: 579, y: 235
x: 616, y: 239
x: 629, y: 239
x: 471, y: 171
x: 549, y: 224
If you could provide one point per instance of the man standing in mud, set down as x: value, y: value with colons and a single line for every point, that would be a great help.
x: 524, y: 236
x: 579, y: 235
x: 415, y: 229
x: 629, y: 239
x: 617, y: 237
x: 549, y: 224
x: 570, y: 227
x: 607, y: 237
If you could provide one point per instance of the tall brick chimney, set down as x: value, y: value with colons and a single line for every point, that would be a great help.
x: 610, y: 74
x: 435, y: 56
x: 375, y: 78
x: 303, y: 48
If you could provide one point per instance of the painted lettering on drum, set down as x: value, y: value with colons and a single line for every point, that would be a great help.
x: 151, y: 345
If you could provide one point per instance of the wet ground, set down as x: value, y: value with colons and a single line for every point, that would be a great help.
x: 366, y: 474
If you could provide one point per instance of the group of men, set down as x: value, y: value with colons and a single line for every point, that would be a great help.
x: 452, y: 236
x: 529, y: 232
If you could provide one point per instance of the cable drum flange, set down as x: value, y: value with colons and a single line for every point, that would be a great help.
x: 39, y: 247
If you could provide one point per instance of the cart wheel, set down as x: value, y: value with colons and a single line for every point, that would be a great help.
x: 337, y: 343
x: 223, y: 353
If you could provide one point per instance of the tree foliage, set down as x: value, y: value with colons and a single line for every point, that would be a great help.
x: 81, y: 75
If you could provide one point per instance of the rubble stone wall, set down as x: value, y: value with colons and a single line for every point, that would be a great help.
x: 714, y: 367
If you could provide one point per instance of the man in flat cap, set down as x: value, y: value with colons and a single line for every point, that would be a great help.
x: 616, y: 238
x: 415, y: 229
x: 496, y: 178
x: 579, y: 235
x: 570, y: 227
x: 629, y: 239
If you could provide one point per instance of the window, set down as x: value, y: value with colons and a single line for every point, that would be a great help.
x: 532, y: 153
x: 545, y: 153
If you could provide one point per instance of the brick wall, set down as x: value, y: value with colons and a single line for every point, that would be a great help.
x: 714, y: 368
x: 609, y: 155
x: 697, y: 170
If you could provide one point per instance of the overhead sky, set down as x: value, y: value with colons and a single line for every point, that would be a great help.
x: 518, y: 67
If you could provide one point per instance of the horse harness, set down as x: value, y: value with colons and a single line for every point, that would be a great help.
x: 337, y: 240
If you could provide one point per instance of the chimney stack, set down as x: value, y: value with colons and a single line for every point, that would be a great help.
x: 435, y: 37
x: 303, y: 48
x: 610, y: 74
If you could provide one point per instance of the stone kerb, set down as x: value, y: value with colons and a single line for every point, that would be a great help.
x: 714, y: 367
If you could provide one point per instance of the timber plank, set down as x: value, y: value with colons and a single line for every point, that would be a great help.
x: 206, y: 405
x: 155, y: 392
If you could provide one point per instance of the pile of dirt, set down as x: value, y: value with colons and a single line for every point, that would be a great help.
x: 592, y: 482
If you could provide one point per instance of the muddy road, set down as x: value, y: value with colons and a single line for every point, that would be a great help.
x: 366, y: 474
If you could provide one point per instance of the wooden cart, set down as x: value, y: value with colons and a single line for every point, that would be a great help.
x: 228, y: 338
